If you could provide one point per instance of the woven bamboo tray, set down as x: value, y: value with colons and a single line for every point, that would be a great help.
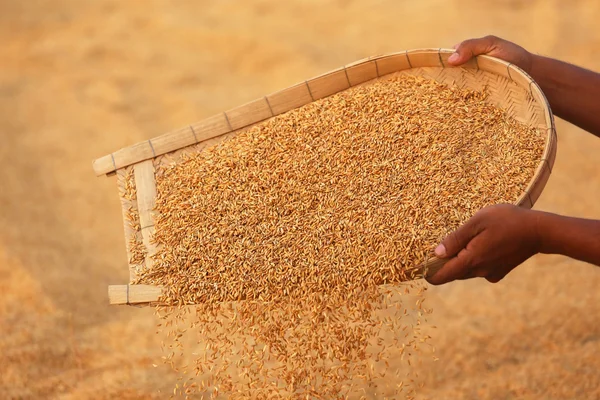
x: 508, y: 87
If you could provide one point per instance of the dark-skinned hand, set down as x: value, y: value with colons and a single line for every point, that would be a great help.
x: 489, y: 245
x: 494, y: 47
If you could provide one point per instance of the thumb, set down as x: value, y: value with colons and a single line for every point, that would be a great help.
x: 471, y: 48
x: 458, y: 240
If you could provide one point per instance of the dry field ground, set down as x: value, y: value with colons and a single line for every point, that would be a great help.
x: 79, y: 79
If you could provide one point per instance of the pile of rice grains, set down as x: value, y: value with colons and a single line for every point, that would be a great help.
x: 297, y: 240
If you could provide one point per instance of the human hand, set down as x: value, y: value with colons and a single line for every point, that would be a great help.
x: 489, y: 245
x: 492, y: 46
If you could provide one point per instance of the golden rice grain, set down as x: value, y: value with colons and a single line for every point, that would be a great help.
x: 128, y: 193
x: 313, y: 218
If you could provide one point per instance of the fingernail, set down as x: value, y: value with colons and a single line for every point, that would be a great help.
x: 453, y: 57
x: 440, y: 251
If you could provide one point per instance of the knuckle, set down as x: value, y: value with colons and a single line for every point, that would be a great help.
x: 484, y: 214
x: 488, y: 209
x: 467, y: 43
x: 466, y: 259
x: 453, y: 239
x: 453, y: 242
x: 480, y: 214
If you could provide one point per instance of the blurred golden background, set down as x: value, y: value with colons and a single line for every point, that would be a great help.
x: 79, y: 79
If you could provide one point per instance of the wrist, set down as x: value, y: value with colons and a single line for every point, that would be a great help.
x: 545, y: 226
x: 533, y: 61
x: 538, y: 232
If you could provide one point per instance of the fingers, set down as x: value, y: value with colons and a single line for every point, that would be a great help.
x: 455, y: 244
x: 474, y: 273
x: 457, y: 268
x: 458, y: 240
x: 463, y: 267
x: 471, y: 48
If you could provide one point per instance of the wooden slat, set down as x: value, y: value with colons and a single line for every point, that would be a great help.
x: 548, y: 115
x: 211, y: 127
x: 290, y: 98
x: 493, y: 65
x: 139, y: 151
x: 538, y: 182
x: 146, y: 198
x: 361, y: 72
x: 392, y: 63
x: 328, y: 84
x: 128, y: 230
x: 249, y: 113
x: 524, y: 201
x: 519, y: 76
x: 133, y: 294
x: 549, y: 155
x: 424, y: 58
x: 206, y: 129
x: 104, y: 165
x: 536, y: 107
x: 550, y: 151
x: 174, y: 140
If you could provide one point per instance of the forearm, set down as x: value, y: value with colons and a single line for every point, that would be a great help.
x: 573, y: 237
x: 573, y: 92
